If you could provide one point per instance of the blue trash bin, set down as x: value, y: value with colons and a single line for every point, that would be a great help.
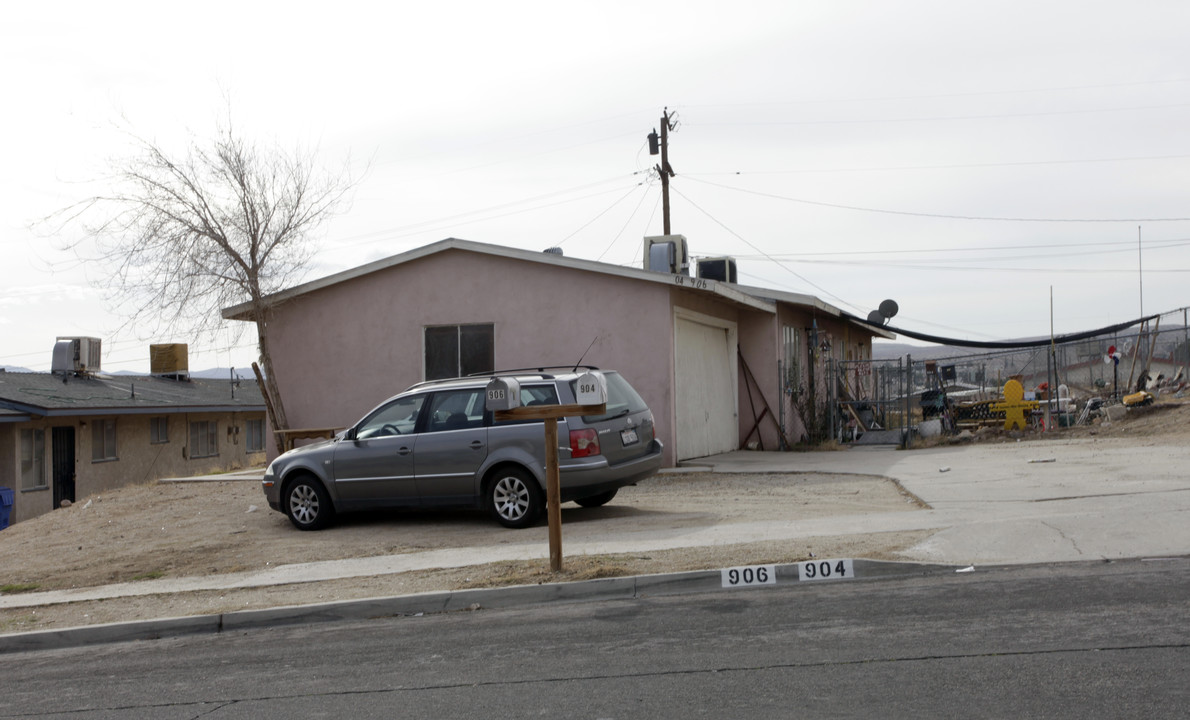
x: 5, y: 506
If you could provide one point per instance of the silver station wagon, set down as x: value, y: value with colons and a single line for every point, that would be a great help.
x: 435, y: 446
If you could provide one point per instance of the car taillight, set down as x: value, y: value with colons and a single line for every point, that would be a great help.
x: 584, y: 443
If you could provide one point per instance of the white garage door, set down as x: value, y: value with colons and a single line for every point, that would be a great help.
x: 705, y: 373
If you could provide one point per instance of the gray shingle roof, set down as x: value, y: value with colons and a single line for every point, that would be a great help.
x: 57, y: 395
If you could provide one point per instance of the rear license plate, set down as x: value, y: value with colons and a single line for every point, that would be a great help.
x: 628, y: 436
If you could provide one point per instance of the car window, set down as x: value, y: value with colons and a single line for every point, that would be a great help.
x: 456, y: 410
x: 539, y: 395
x: 398, y: 417
x: 534, y: 395
x: 622, y: 399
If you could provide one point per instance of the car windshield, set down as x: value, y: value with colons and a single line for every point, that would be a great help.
x: 398, y: 417
x: 622, y: 399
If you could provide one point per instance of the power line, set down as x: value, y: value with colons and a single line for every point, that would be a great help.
x: 1048, y: 270
x: 1128, y: 245
x: 376, y: 235
x: 957, y: 166
x: 601, y: 214
x: 627, y: 222
x: 940, y: 96
x: 778, y: 262
x: 989, y: 116
x: 907, y: 213
x: 396, y: 234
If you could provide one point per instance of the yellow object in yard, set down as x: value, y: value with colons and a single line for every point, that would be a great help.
x: 1014, y: 405
x: 1137, y: 399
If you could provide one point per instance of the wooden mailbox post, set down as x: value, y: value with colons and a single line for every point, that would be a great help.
x: 503, y: 398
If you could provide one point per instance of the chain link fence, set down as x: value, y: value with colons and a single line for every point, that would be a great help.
x: 888, y: 401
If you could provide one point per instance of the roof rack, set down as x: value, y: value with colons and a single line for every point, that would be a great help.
x: 541, y: 369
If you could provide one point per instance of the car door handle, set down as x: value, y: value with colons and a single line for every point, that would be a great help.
x: 404, y: 451
x: 476, y: 445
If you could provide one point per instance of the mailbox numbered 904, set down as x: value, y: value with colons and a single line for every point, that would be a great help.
x: 503, y: 394
x: 590, y: 388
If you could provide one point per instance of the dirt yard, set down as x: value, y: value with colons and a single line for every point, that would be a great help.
x: 176, y: 530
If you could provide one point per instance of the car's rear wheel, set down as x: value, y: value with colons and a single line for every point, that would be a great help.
x: 514, y: 498
x: 308, y: 504
x: 599, y: 500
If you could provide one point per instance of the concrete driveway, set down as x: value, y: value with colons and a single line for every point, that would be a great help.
x: 1017, y: 502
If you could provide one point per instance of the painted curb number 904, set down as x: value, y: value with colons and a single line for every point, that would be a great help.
x: 751, y: 575
x: 825, y: 570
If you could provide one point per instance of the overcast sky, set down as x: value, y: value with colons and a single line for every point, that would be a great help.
x: 961, y: 158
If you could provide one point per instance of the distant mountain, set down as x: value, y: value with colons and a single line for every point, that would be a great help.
x: 209, y: 374
x: 224, y: 374
x: 892, y: 350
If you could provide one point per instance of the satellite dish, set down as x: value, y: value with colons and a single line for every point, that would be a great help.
x: 888, y: 309
x: 875, y: 318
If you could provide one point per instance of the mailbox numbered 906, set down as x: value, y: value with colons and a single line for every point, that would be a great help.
x: 503, y: 394
x: 590, y: 388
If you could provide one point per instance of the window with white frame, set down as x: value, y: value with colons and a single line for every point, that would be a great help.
x: 204, y: 439
x: 103, y: 440
x: 256, y: 435
x: 32, y: 459
x: 458, y: 350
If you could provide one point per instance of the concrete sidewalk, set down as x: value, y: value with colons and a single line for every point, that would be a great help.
x: 1031, y: 502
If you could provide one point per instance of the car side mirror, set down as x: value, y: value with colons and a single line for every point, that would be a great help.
x: 349, y: 434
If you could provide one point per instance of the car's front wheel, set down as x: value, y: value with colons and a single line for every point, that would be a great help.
x: 308, y: 504
x: 514, y: 498
x: 599, y: 500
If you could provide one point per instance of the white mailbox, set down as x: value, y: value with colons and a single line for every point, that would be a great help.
x: 503, y: 393
x: 590, y: 388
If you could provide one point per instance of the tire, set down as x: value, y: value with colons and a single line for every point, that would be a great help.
x: 514, y: 498
x: 308, y: 504
x: 599, y: 500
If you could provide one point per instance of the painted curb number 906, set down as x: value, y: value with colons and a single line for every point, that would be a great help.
x: 751, y: 575
x: 825, y: 570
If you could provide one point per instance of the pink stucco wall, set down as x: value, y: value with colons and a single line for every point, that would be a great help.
x: 341, y: 350
x: 760, y: 348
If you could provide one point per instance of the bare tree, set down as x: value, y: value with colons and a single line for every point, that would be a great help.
x: 224, y: 223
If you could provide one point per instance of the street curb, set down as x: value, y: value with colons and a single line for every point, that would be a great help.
x: 618, y: 588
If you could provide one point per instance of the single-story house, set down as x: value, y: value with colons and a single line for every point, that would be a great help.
x: 65, y: 435
x: 721, y: 365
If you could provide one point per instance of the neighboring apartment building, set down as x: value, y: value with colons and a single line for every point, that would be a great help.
x: 65, y: 436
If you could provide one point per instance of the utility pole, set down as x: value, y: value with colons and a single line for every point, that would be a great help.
x: 668, y: 122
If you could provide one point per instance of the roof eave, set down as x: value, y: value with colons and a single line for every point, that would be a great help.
x: 242, y: 311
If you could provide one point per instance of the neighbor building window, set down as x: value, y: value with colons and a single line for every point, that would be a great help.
x: 32, y: 459
x: 204, y: 439
x: 255, y: 435
x: 103, y: 440
x: 457, y: 350
x: 158, y: 430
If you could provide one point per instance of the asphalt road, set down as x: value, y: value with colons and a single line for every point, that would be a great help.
x: 1077, y: 640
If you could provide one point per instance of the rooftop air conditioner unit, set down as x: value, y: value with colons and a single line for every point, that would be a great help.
x: 169, y: 360
x: 722, y: 269
x: 667, y: 254
x: 76, y: 354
